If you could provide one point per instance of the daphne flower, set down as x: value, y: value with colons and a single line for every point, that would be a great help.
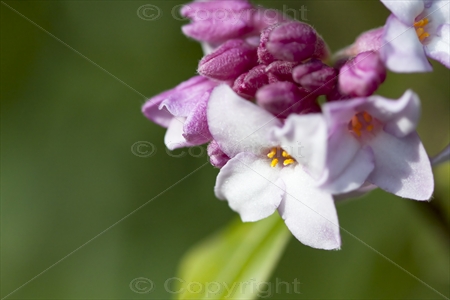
x: 263, y: 176
x: 416, y: 29
x: 374, y: 140
x: 182, y: 111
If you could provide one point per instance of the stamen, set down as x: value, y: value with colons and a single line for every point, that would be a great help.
x: 361, y: 121
x: 367, y: 117
x: 272, y: 153
x: 424, y: 36
x: 421, y: 23
x: 274, y: 162
x: 420, y: 31
x: 288, y: 161
x: 279, y: 155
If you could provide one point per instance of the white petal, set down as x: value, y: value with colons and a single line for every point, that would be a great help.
x: 348, y: 164
x: 252, y: 187
x: 402, y: 166
x: 399, y: 116
x: 174, y: 135
x: 438, y: 47
x: 405, y: 11
x: 402, y: 50
x: 308, y: 212
x: 304, y: 137
x: 339, y: 113
x: 237, y: 124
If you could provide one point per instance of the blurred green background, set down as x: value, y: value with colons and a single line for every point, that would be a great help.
x: 70, y: 113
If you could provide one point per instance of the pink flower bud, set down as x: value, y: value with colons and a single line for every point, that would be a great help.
x: 280, y: 71
x: 315, y: 76
x: 285, y: 98
x: 292, y: 41
x: 362, y: 75
x: 216, y: 156
x: 217, y: 21
x: 248, y: 83
x: 228, y: 61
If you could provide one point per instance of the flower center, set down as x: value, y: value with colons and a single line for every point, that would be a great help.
x: 420, y: 30
x: 360, y: 122
x: 277, y: 154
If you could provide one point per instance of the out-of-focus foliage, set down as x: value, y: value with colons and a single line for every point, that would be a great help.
x: 235, y: 263
x: 69, y: 178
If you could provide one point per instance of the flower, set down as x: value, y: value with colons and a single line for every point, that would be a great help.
x: 263, y: 175
x: 416, y: 29
x: 374, y: 140
x: 182, y: 111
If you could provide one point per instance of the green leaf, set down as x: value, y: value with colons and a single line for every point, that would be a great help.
x: 233, y: 263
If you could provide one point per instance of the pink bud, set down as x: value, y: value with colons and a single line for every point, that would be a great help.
x: 285, y: 98
x: 362, y: 75
x: 371, y: 40
x: 315, y: 76
x: 216, y: 156
x: 228, y: 61
x: 264, y: 56
x: 280, y: 71
x: 292, y: 41
x: 248, y: 83
x: 217, y: 21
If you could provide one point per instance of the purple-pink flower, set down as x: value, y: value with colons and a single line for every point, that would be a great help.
x: 182, y: 111
x: 374, y: 140
x: 416, y: 29
x: 255, y: 102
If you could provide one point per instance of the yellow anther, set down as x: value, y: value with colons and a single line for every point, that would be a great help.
x: 355, y: 121
x: 288, y: 161
x: 357, y: 131
x: 420, y: 31
x: 272, y: 153
x: 285, y: 154
x: 369, y: 127
x: 274, y: 162
x: 421, y: 23
x: 367, y: 117
x: 424, y: 36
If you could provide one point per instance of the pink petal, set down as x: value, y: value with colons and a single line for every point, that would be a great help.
x: 402, y: 51
x: 405, y: 11
x: 348, y: 163
x: 438, y: 47
x: 402, y: 166
x: 399, y: 116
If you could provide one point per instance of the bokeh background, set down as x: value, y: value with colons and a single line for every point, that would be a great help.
x: 74, y: 75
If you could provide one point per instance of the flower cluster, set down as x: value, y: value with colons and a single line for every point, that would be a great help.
x: 255, y: 101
